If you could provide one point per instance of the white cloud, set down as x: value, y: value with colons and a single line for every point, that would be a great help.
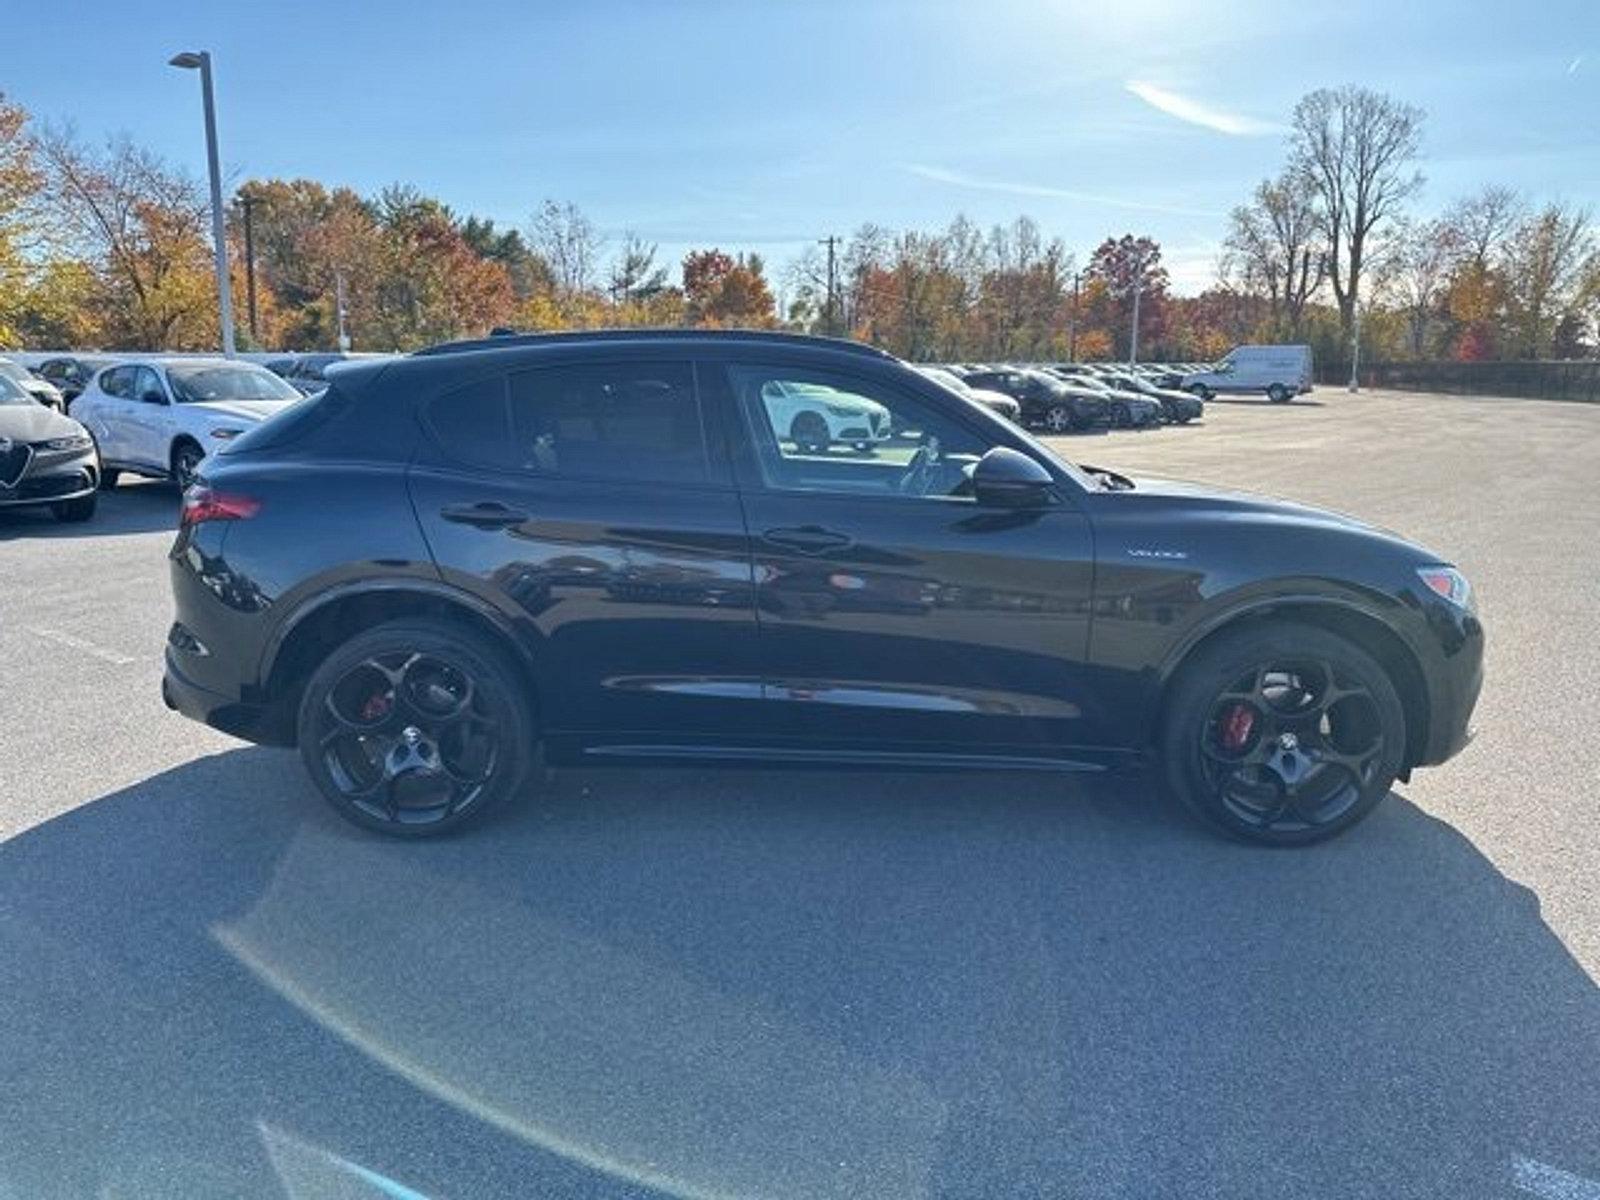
x: 959, y: 179
x: 1196, y: 113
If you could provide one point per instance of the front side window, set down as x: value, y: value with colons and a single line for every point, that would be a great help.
x: 628, y: 422
x: 147, y: 387
x: 819, y: 432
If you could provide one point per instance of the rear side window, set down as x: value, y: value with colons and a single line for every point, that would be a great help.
x: 118, y: 382
x: 629, y: 422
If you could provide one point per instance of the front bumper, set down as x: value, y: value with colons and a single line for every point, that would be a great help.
x: 1454, y: 681
x: 50, y: 477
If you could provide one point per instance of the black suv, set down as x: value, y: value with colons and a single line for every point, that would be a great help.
x: 609, y: 545
x: 1047, y: 402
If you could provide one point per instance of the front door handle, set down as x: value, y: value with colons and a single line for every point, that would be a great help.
x: 808, y: 539
x: 489, y: 514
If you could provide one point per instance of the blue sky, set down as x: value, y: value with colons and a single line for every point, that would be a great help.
x: 764, y: 125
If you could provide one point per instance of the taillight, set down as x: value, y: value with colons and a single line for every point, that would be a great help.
x: 201, y: 504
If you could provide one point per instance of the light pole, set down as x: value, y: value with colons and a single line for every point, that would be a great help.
x: 188, y: 61
x: 1138, y: 289
x: 1072, y: 320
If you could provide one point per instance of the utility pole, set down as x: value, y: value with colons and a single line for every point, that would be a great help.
x: 338, y: 300
x: 247, y: 202
x: 828, y: 312
x: 1355, y: 350
x: 1072, y: 319
x: 1133, y: 340
x: 191, y: 60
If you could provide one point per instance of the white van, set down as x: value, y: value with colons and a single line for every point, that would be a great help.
x: 1282, y: 372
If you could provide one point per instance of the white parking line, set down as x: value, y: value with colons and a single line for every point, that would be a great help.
x: 83, y: 646
x: 1540, y: 1179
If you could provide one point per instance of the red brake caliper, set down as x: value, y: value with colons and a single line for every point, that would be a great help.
x: 1236, y: 726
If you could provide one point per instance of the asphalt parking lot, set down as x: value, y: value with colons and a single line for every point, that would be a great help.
x: 808, y: 985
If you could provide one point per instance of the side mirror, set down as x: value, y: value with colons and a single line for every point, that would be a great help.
x: 1007, y: 478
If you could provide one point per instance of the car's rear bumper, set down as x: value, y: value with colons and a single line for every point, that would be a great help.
x: 227, y: 713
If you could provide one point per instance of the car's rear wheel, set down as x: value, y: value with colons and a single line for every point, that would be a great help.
x: 1282, y: 733
x: 1058, y: 419
x: 186, y: 459
x: 72, y: 511
x: 809, y: 433
x: 1278, y: 394
x: 416, y: 727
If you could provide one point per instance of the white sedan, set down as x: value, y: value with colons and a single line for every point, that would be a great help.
x: 814, y: 417
x: 160, y: 417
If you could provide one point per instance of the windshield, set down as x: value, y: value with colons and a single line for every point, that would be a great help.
x: 15, y: 372
x: 199, y: 384
x: 12, y: 392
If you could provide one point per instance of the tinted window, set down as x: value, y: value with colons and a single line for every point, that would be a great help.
x: 636, y: 422
x: 147, y: 384
x: 118, y: 382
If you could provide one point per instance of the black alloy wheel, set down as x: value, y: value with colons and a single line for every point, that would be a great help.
x: 186, y: 460
x: 1284, y: 734
x: 809, y: 432
x: 1058, y: 418
x: 414, y: 728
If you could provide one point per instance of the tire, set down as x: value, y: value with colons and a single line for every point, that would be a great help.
x: 415, y: 767
x: 186, y: 459
x: 1200, y: 390
x: 810, y: 434
x: 1233, y: 736
x: 1058, y: 418
x: 1279, y: 394
x: 76, y: 510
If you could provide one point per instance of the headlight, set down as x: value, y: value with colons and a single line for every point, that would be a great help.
x: 1448, y: 583
x: 226, y: 432
x: 76, y: 441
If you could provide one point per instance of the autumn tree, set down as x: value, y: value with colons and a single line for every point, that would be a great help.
x: 140, y: 226
x: 1421, y: 259
x: 1545, y: 259
x: 1131, y: 266
x: 725, y: 290
x: 1354, y: 149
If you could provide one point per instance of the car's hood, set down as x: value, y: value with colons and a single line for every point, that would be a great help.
x: 243, y: 410
x: 990, y: 396
x: 1197, y: 498
x: 34, y: 423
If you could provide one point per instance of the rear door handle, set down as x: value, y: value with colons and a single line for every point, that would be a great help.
x: 488, y: 514
x: 808, y: 539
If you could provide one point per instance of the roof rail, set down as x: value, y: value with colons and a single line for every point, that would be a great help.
x: 505, y: 341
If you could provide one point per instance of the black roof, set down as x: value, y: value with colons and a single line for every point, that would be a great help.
x: 580, y: 336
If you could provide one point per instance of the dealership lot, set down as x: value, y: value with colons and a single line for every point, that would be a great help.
x: 819, y: 984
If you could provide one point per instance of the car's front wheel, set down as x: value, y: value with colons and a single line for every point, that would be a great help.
x: 416, y: 727
x: 810, y: 433
x: 1282, y: 733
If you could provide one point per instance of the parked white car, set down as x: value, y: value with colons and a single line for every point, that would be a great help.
x: 1280, y: 372
x: 814, y: 417
x: 42, y: 390
x: 160, y: 417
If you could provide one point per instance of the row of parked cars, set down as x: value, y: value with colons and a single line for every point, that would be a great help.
x: 1067, y: 397
x: 71, y: 424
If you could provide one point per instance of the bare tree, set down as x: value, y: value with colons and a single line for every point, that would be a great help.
x: 1481, y: 223
x: 1421, y: 259
x: 1275, y: 242
x: 1354, y: 148
x: 568, y: 241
